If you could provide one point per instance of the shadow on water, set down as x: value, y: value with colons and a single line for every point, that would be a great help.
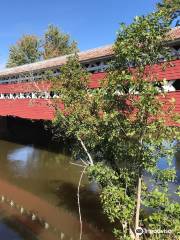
x: 37, y: 133
x: 90, y: 204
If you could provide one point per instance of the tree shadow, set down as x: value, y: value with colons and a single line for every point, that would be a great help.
x: 91, y: 208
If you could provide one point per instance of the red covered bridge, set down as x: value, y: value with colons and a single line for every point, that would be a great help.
x: 23, y: 94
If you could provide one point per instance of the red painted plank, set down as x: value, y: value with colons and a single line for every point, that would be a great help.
x: 24, y: 87
x: 170, y: 73
x: 40, y: 109
x: 25, y: 108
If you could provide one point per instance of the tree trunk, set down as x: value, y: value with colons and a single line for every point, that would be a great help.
x: 138, y: 205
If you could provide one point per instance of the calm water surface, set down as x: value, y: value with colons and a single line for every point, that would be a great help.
x: 43, y: 185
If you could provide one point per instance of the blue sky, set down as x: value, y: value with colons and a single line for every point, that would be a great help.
x: 91, y: 23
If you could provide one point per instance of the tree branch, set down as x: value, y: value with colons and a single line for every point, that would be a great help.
x: 85, y: 149
x: 78, y: 198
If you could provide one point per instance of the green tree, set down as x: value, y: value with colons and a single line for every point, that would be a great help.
x: 172, y: 8
x: 26, y: 50
x: 57, y: 44
x: 120, y: 130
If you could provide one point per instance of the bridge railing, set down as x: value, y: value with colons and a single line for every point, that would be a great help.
x: 92, y: 68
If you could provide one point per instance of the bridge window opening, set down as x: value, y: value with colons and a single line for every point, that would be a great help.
x: 175, y: 53
x: 51, y: 94
x: 168, y: 87
x: 56, y: 72
x: 33, y: 95
x: 26, y: 95
x: 177, y: 48
x: 56, y: 95
x: 21, y: 96
x: 7, y: 95
x: 14, y: 95
x: 159, y: 86
x: 176, y: 85
x: 43, y: 95
x: 97, y: 63
x: 38, y: 94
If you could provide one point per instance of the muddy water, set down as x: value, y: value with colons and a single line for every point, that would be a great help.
x: 38, y: 197
x: 38, y: 189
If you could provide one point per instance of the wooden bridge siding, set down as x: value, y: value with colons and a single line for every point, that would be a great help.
x: 170, y: 73
x: 39, y: 108
x: 36, y: 109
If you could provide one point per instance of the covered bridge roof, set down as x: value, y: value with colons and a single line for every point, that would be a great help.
x: 84, y: 56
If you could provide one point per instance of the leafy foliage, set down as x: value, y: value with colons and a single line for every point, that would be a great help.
x: 123, y: 128
x: 25, y: 51
x: 31, y: 49
x: 172, y: 9
x: 165, y: 215
x: 56, y: 43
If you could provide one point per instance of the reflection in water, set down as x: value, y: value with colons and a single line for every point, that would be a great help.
x: 21, y: 154
x: 21, y: 157
x: 45, y: 183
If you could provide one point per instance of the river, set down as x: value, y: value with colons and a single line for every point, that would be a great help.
x: 38, y: 193
x: 38, y: 196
